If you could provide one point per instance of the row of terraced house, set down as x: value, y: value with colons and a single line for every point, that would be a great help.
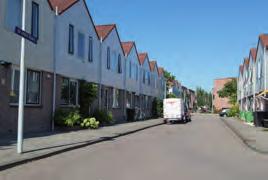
x: 69, y: 48
x: 253, y: 83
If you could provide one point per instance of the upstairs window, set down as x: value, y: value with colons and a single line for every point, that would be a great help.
x: 35, y: 20
x: 71, y: 39
x: 137, y: 72
x: 90, y: 49
x: 119, y: 68
x: 81, y: 46
x: 13, y: 14
x: 129, y: 69
x: 108, y: 58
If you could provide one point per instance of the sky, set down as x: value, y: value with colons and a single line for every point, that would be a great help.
x: 196, y: 40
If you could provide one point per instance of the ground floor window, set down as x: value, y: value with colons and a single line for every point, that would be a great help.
x: 129, y: 100
x: 33, y: 87
x: 116, y: 97
x: 33, y: 90
x: 146, y: 102
x: 69, y: 92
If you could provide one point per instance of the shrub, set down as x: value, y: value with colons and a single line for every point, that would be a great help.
x: 87, y: 95
x: 234, y: 111
x: 90, y: 123
x: 157, y: 108
x: 67, y: 117
x: 103, y: 117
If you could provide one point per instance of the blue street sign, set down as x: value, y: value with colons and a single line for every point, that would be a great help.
x: 26, y: 35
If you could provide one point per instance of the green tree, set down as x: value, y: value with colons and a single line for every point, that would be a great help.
x: 229, y: 91
x: 87, y: 95
x: 203, y: 97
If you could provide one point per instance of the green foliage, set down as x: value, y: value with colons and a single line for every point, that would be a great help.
x: 203, y: 97
x: 157, y: 108
x: 229, y: 91
x: 87, y: 95
x: 90, y: 123
x: 168, y: 76
x: 67, y: 117
x: 234, y: 111
x: 104, y: 117
x: 171, y: 96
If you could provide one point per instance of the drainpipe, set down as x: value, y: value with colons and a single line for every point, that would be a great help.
x: 54, y: 69
x: 100, y: 74
x: 254, y: 87
x: 125, y: 87
x: 265, y: 70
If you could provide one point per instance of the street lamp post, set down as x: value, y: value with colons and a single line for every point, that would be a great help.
x: 21, y: 88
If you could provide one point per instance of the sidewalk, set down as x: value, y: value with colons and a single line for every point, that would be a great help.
x: 46, y: 145
x: 255, y: 138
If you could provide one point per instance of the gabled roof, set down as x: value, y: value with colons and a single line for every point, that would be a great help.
x: 152, y: 65
x: 142, y: 57
x: 104, y: 30
x: 246, y: 63
x: 264, y: 40
x: 161, y: 71
x: 62, y: 5
x: 253, y: 53
x: 127, y: 46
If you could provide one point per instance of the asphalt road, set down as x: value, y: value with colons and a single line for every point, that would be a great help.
x: 204, y: 149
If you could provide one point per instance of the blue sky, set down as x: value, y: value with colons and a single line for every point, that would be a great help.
x: 197, y: 41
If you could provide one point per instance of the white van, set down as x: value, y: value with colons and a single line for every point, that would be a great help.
x: 174, y: 110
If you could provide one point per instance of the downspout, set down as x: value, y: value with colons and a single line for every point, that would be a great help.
x: 254, y: 87
x: 100, y: 74
x: 265, y: 69
x: 125, y: 88
x: 54, y: 69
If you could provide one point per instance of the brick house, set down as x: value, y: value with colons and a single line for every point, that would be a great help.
x: 220, y: 103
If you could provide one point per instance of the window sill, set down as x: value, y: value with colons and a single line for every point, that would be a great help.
x: 68, y: 106
x: 115, y: 107
x: 26, y: 105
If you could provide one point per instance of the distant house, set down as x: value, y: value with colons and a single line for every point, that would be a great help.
x: 218, y: 102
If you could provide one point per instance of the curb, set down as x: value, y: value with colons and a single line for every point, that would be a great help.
x: 90, y: 142
x: 244, y: 139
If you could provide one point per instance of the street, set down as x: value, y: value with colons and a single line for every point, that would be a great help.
x: 203, y: 149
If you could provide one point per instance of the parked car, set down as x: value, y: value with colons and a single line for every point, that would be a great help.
x: 224, y: 112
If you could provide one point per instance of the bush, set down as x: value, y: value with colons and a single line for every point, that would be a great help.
x: 90, y: 123
x: 157, y: 108
x: 104, y: 117
x: 67, y: 117
x: 87, y: 95
x: 234, y: 111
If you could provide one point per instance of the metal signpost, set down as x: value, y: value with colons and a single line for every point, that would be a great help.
x: 21, y: 32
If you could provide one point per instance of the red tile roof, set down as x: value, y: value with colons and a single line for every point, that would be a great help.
x: 152, y: 65
x: 127, y: 46
x: 253, y: 53
x: 104, y: 30
x: 62, y: 5
x: 246, y: 62
x: 264, y: 39
x: 161, y: 71
x: 142, y: 57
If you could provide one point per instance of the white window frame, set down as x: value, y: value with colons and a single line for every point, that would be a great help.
x: 115, y: 100
x: 16, y: 68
